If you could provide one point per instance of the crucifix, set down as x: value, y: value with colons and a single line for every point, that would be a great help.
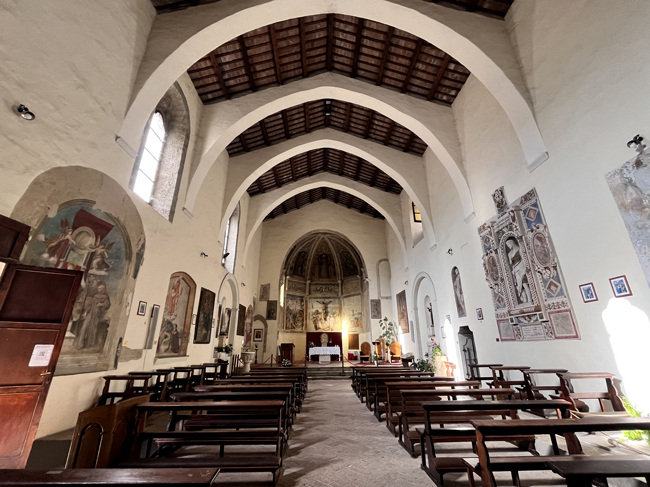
x: 430, y: 310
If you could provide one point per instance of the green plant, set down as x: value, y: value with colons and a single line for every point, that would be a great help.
x: 634, y: 435
x: 388, y: 331
x: 225, y: 349
x: 311, y: 345
x: 423, y: 365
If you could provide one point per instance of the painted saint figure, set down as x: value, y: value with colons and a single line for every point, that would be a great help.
x: 93, y: 315
x: 458, y: 293
x: 518, y: 271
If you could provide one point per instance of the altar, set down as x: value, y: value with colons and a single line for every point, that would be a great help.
x: 330, y: 347
x: 325, y: 354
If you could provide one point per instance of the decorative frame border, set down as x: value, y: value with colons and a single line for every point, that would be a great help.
x: 593, y: 288
x: 573, y: 323
x: 627, y: 284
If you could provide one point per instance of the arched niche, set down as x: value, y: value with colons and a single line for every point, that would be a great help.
x: 82, y: 219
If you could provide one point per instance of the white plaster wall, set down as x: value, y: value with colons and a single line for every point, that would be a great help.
x: 278, y: 236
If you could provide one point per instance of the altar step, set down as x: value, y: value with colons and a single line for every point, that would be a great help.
x: 328, y: 373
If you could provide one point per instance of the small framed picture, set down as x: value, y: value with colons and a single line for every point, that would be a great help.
x: 620, y: 286
x: 448, y: 319
x: 588, y: 292
x: 142, y: 308
x: 194, y: 319
x: 442, y: 332
x: 479, y: 314
x: 257, y: 335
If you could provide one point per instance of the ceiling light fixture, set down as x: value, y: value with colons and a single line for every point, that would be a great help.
x: 328, y: 108
x: 636, y: 142
x: 24, y: 112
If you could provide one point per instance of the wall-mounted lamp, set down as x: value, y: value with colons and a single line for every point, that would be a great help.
x: 24, y: 112
x: 204, y: 255
x: 636, y: 142
x: 226, y: 255
x: 450, y: 252
x: 243, y: 284
x: 406, y: 283
x: 328, y: 108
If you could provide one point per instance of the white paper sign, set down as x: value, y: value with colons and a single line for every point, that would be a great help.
x: 41, y: 355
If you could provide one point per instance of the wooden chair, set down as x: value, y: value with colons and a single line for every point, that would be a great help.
x: 395, y: 352
x: 366, y: 349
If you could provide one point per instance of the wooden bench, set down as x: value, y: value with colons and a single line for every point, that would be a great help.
x: 412, y: 413
x: 369, y: 389
x: 135, y: 385
x: 568, y: 427
x: 122, y: 477
x: 223, y: 423
x: 581, y: 473
x: 301, y: 376
x: 286, y: 387
x: 500, y: 380
x: 475, y: 373
x: 215, y: 370
x: 378, y: 394
x: 158, y: 385
x: 463, y: 412
x: 393, y: 398
x: 577, y: 398
x: 359, y: 371
x: 266, y: 380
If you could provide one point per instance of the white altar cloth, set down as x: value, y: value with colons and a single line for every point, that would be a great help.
x: 324, y: 351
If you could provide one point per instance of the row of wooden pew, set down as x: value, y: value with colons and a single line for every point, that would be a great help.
x: 486, y: 413
x: 236, y: 424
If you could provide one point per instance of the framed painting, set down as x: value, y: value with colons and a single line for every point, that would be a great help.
x: 271, y: 310
x: 402, y: 312
x: 241, y: 320
x: 265, y: 292
x: 177, y: 316
x: 375, y: 309
x: 620, y: 286
x: 257, y: 335
x: 203, y: 327
x: 142, y: 308
x: 588, y: 292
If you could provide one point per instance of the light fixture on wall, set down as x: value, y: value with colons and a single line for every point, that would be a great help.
x: 226, y: 255
x: 328, y: 108
x: 636, y: 142
x: 406, y: 283
x: 204, y: 255
x: 243, y: 284
x: 450, y: 252
x: 24, y: 112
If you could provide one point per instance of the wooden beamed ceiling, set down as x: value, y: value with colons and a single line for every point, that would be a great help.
x: 297, y: 48
x: 324, y: 160
x: 346, y: 117
x: 313, y: 195
x: 492, y: 8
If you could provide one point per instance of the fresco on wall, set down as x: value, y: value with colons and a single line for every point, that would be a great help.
x: 402, y: 312
x: 204, y: 317
x: 522, y: 270
x: 241, y: 319
x: 177, y: 318
x: 375, y: 309
x: 88, y: 240
x: 324, y: 314
x: 630, y: 186
x: 272, y: 309
x: 322, y: 263
x: 248, y: 326
x: 224, y: 329
x: 265, y: 292
x: 459, y: 297
x: 353, y: 314
x: 294, y: 313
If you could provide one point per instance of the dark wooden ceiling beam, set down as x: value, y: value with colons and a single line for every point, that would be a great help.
x: 348, y: 112
x: 363, y: 207
x: 441, y: 72
x: 357, y: 48
x: 277, y: 178
x: 389, y: 132
x: 276, y: 56
x: 407, y: 147
x: 307, y: 119
x: 260, y: 186
x: 384, y: 55
x: 330, y: 40
x: 311, y: 197
x: 265, y: 134
x: 358, y: 173
x: 341, y: 162
x: 285, y: 123
x: 369, y: 126
x: 326, y: 159
x: 243, y: 142
x: 247, y: 63
x: 374, y: 177
x: 217, y: 71
x: 303, y: 46
x: 284, y: 210
x: 295, y: 200
x: 309, y: 163
x: 338, y: 196
x: 414, y: 61
x: 293, y: 170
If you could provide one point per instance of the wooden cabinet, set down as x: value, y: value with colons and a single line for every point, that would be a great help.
x: 287, y: 351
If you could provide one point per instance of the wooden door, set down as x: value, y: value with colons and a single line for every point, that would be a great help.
x: 35, y: 308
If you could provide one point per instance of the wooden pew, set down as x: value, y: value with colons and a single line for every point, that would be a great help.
x: 462, y: 413
x: 299, y: 374
x: 287, y: 387
x: 226, y: 422
x: 369, y: 389
x: 393, y: 401
x: 262, y: 380
x: 109, y: 477
x: 412, y: 413
x: 568, y: 427
x: 611, y: 395
x: 359, y: 371
x: 475, y: 373
x: 499, y: 378
x: 536, y: 392
x: 214, y: 371
x: 135, y: 385
x: 158, y: 385
x: 581, y: 473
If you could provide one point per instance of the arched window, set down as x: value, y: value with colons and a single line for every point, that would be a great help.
x: 230, y: 241
x: 159, y: 166
x: 145, y: 178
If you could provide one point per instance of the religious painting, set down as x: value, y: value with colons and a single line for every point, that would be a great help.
x: 353, y: 313
x: 402, y: 312
x: 479, y: 314
x: 588, y: 292
x: 272, y: 310
x: 294, y: 313
x: 523, y: 272
x: 177, y: 317
x: 322, y: 263
x: 300, y: 264
x: 620, y: 286
x: 224, y: 328
x: 458, y: 293
x: 348, y: 264
x: 82, y: 238
x: 203, y: 328
x: 241, y: 320
x: 324, y: 314
x: 630, y: 186
x: 248, y: 326
x: 375, y: 309
x: 257, y: 335
x: 265, y: 292
x: 219, y: 319
x: 142, y: 308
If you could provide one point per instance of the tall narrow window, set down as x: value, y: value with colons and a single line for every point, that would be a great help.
x: 225, y: 243
x: 230, y: 241
x: 417, y: 218
x: 145, y: 179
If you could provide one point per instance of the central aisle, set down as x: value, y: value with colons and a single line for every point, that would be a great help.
x: 337, y: 441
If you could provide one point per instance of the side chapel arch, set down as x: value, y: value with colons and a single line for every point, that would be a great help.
x: 233, y: 285
x: 416, y: 296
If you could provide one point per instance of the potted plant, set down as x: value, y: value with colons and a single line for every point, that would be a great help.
x: 224, y: 352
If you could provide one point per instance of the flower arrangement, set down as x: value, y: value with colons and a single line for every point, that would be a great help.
x: 286, y: 363
x: 436, y: 351
x: 311, y: 345
x: 225, y: 349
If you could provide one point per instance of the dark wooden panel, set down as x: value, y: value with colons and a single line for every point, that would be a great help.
x: 13, y: 236
x: 353, y: 341
x: 16, y: 412
x: 37, y: 296
x: 16, y: 346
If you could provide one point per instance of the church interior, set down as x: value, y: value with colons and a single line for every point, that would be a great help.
x: 308, y: 243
